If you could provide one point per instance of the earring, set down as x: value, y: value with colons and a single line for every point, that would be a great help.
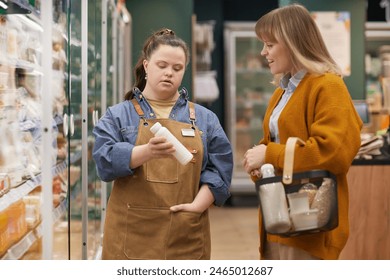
x: 146, y: 76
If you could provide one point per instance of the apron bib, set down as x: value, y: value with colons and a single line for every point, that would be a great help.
x: 139, y: 224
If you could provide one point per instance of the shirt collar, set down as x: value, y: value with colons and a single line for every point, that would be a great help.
x: 292, y: 82
x: 138, y: 94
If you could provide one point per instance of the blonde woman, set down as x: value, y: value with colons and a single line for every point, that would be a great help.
x: 312, y: 102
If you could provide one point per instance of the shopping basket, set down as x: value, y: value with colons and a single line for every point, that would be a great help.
x: 311, y: 196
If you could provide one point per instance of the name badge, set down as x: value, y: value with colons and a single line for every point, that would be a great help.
x: 188, y: 132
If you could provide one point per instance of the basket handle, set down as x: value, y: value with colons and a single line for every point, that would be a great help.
x: 289, y: 158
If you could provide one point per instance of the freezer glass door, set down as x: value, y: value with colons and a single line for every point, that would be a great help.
x: 249, y: 89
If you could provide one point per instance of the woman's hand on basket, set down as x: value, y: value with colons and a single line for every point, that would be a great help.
x: 253, y: 159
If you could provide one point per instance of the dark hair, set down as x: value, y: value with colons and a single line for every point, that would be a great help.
x: 163, y: 36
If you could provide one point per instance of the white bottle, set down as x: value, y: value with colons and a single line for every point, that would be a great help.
x: 181, y: 154
x: 274, y: 203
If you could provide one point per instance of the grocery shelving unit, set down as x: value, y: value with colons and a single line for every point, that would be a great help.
x: 51, y: 55
x: 248, y: 86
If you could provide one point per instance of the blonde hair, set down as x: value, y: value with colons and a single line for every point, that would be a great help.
x: 294, y: 27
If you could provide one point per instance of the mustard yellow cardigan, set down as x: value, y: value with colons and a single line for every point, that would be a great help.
x: 321, y: 113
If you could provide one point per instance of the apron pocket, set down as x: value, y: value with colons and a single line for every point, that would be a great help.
x: 146, y: 233
x: 186, y: 236
x: 162, y: 170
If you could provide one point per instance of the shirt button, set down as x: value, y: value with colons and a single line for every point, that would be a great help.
x: 151, y: 114
x: 173, y: 115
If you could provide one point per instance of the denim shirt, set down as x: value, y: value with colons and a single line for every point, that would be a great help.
x: 116, y: 133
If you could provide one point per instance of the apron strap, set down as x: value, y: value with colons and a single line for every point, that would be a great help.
x: 138, y: 108
x: 192, y: 113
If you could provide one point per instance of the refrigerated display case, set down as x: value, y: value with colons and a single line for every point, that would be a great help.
x: 32, y: 102
x: 248, y: 89
x: 58, y: 73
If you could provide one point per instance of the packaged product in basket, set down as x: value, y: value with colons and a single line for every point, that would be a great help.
x: 324, y: 201
x: 311, y: 190
x: 274, y: 203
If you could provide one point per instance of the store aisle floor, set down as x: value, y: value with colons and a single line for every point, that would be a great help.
x: 234, y: 233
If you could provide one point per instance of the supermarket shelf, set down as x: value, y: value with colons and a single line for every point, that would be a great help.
x: 20, y: 248
x: 19, y: 192
x: 17, y: 250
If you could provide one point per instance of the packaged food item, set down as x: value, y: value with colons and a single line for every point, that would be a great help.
x: 298, y: 202
x: 17, y: 225
x: 33, y: 210
x: 302, y: 216
x: 12, y: 46
x: 4, y: 235
x: 3, y: 80
x: 324, y: 201
x: 305, y: 220
x: 310, y: 189
x: 5, y: 183
x: 274, y: 203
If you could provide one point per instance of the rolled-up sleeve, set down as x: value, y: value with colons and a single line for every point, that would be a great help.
x: 110, y: 153
x: 217, y: 173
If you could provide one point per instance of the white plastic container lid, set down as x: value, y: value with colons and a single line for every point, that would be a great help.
x: 155, y: 127
x: 267, y: 166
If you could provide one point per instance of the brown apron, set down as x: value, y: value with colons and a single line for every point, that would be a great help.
x: 139, y: 224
